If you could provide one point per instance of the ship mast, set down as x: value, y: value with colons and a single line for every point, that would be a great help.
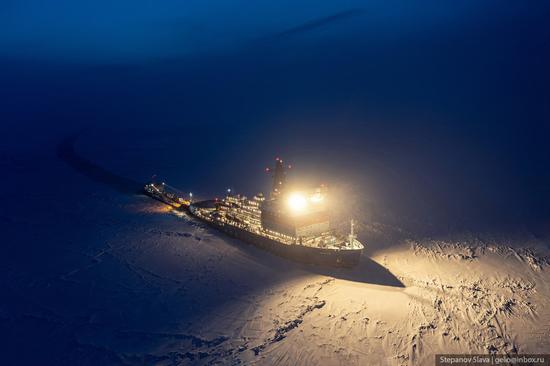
x: 279, y: 177
x: 352, y: 235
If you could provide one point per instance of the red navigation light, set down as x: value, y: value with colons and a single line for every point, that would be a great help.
x: 289, y: 166
x: 277, y: 159
x: 267, y: 170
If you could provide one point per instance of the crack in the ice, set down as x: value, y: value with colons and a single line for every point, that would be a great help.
x: 195, y: 341
x: 281, y: 331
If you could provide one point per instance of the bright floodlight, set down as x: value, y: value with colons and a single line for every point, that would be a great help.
x: 297, y: 202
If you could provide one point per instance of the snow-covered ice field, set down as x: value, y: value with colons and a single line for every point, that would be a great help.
x: 93, y: 275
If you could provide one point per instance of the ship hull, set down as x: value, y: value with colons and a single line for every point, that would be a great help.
x: 295, y: 252
x: 299, y: 253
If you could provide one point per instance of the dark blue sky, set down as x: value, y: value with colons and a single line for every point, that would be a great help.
x: 434, y: 108
x: 131, y: 31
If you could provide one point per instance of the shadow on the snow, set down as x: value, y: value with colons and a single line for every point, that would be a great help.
x: 65, y: 151
x: 367, y: 271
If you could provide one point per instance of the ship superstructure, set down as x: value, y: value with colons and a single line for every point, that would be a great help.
x: 295, y: 225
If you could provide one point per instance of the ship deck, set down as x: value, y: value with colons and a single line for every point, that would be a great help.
x: 327, y: 241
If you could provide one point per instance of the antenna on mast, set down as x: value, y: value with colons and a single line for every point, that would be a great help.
x: 352, y: 235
